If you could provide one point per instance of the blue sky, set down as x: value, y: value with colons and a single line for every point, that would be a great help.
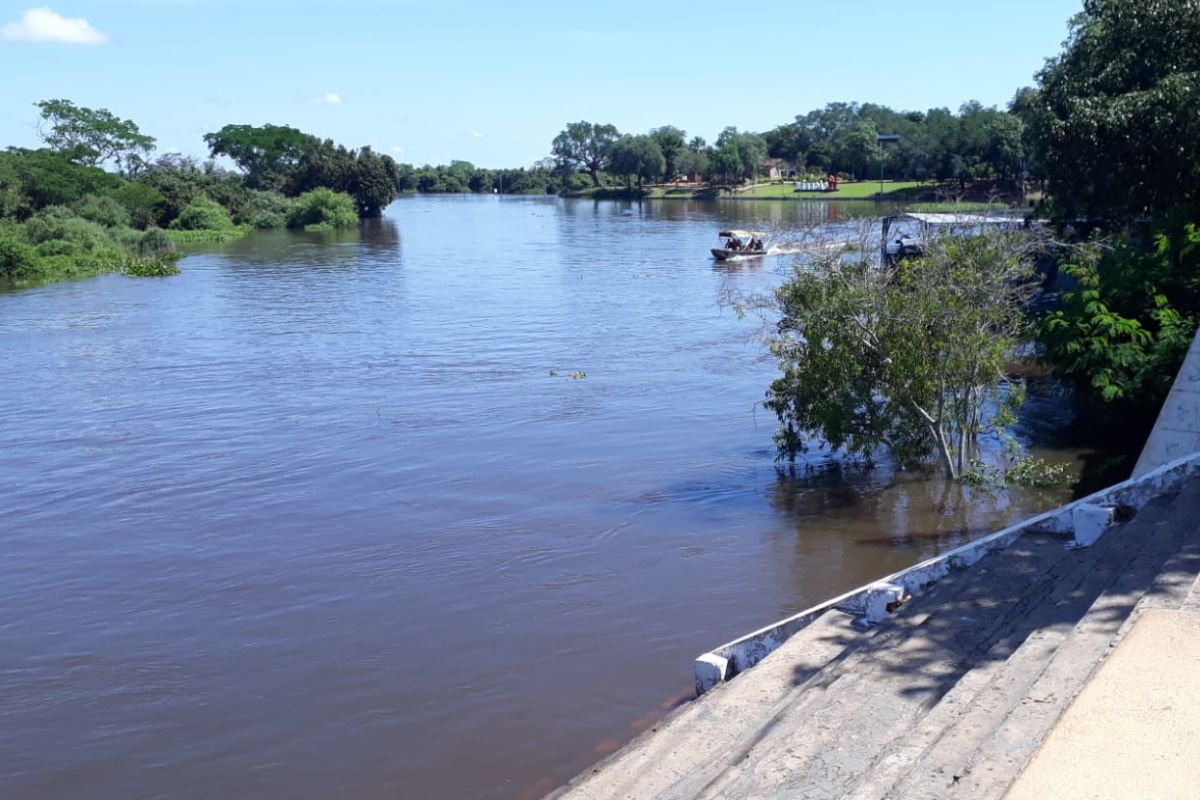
x: 493, y: 82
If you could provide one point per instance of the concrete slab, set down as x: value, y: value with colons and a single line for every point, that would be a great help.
x: 1177, y: 430
x: 1134, y: 731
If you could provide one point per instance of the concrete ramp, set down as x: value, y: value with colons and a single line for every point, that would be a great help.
x: 954, y: 693
x: 1177, y: 431
x: 1134, y: 731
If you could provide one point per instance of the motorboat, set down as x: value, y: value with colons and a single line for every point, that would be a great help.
x: 901, y: 241
x: 740, y: 244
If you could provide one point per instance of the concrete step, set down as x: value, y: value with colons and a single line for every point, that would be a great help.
x: 952, y: 730
x: 848, y: 712
x: 1191, y: 602
x: 698, y: 735
x: 1024, y: 701
x: 1134, y: 730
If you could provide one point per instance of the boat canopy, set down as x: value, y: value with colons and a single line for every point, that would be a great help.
x: 742, y: 234
x: 961, y: 219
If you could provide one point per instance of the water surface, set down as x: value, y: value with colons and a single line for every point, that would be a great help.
x: 441, y: 510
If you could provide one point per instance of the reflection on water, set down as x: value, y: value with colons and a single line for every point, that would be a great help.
x: 327, y: 515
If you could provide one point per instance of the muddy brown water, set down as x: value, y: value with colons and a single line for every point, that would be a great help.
x: 345, y: 517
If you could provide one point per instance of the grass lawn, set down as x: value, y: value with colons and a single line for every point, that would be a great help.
x: 863, y: 190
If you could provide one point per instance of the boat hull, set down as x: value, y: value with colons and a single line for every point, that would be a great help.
x: 731, y: 255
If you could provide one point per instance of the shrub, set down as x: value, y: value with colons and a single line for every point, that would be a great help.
x: 264, y: 210
x: 203, y: 214
x: 57, y: 247
x: 323, y: 209
x: 155, y: 243
x: 267, y: 220
x: 145, y: 206
x: 105, y: 211
x: 56, y: 222
x: 18, y: 261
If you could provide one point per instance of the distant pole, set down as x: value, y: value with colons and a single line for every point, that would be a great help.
x: 880, y: 142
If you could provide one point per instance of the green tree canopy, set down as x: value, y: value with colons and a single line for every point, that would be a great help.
x: 267, y: 154
x: 92, y: 136
x: 739, y: 155
x: 637, y: 157
x: 910, y: 357
x: 31, y: 180
x: 1116, y: 117
x: 585, y: 146
x: 671, y: 142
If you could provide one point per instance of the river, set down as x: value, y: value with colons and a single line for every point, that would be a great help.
x: 439, y: 510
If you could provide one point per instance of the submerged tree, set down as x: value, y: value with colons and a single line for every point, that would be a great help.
x: 910, y: 357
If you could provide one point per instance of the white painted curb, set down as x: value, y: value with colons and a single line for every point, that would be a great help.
x: 1085, y: 520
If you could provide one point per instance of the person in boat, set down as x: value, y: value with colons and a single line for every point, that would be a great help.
x: 734, y: 244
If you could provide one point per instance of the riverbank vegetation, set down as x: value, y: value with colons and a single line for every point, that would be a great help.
x: 913, y: 357
x: 95, y: 198
x: 1115, y: 123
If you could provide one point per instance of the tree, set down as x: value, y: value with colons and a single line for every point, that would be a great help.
x: 585, y: 146
x: 859, y: 148
x: 267, y: 154
x: 637, y: 156
x: 726, y: 163
x: 752, y: 152
x: 92, y: 137
x: 31, y: 180
x: 671, y: 142
x: 910, y: 357
x: 376, y: 182
x: 1117, y: 334
x: 738, y: 155
x: 1004, y: 147
x: 692, y: 162
x: 1116, y: 117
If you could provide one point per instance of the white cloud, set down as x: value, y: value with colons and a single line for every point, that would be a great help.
x: 398, y: 149
x: 328, y: 99
x: 475, y: 134
x: 41, y: 25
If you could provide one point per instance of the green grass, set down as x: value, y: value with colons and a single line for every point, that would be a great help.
x: 201, y: 237
x: 863, y: 190
x: 612, y: 193
x: 682, y: 192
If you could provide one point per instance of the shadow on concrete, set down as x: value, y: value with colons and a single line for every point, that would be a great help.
x: 985, y: 613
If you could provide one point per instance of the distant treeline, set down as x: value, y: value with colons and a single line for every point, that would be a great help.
x: 850, y: 139
x: 974, y: 144
x: 462, y: 177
